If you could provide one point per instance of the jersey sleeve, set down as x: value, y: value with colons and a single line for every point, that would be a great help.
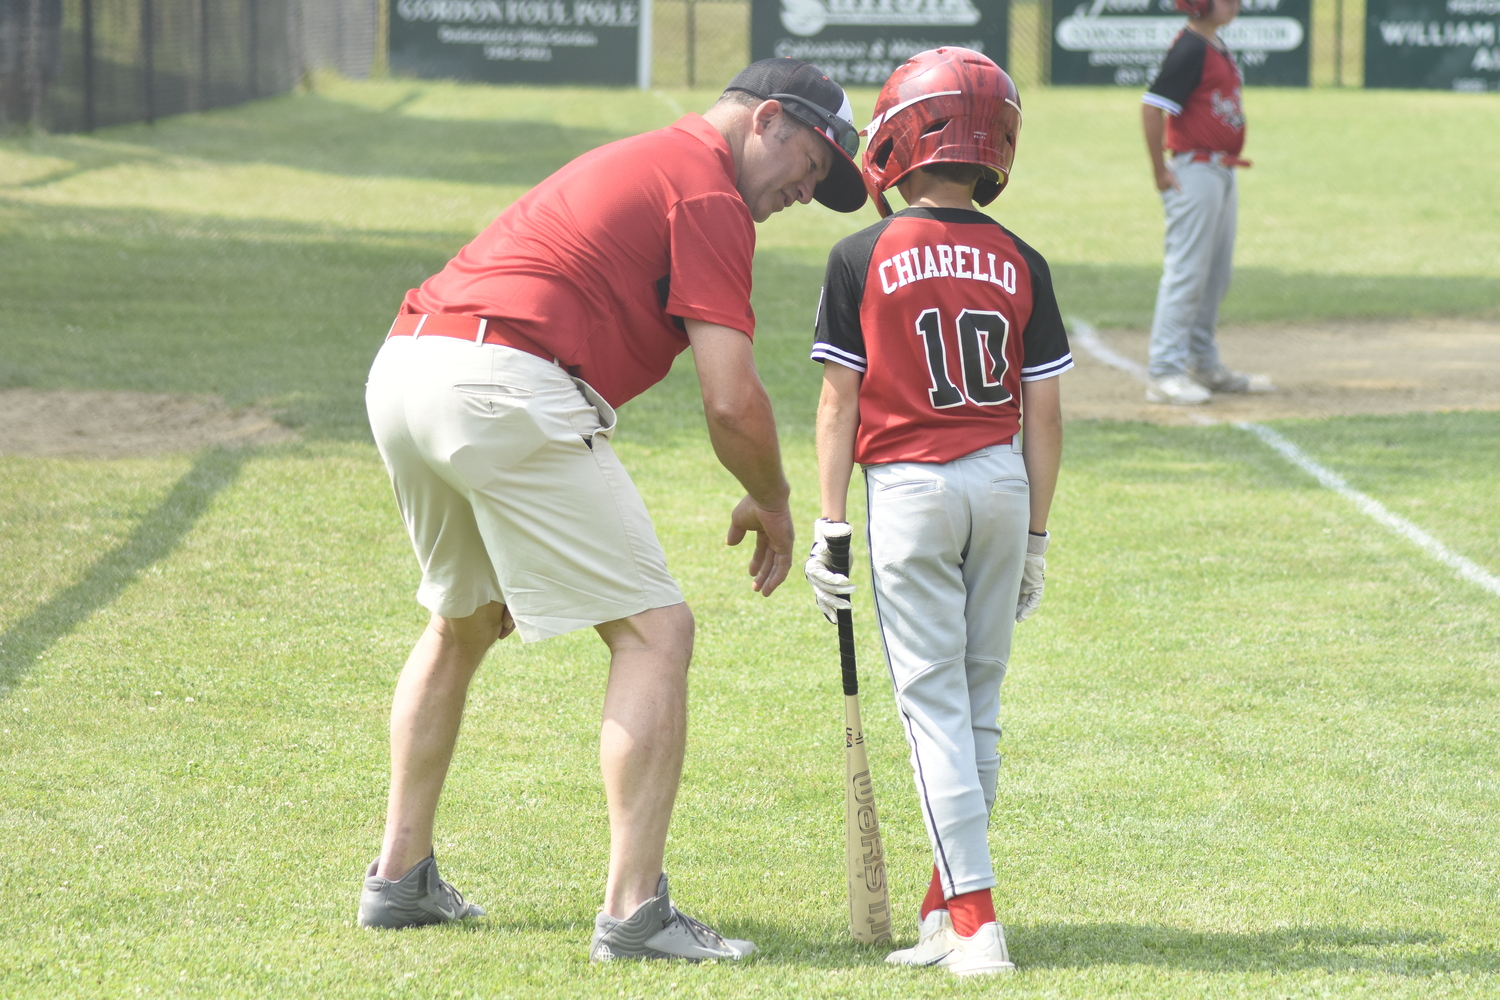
x: 1044, y: 342
x: 1179, y: 74
x: 838, y: 334
x: 712, y: 242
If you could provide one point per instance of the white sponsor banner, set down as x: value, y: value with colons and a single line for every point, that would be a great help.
x: 808, y: 17
x: 1081, y: 32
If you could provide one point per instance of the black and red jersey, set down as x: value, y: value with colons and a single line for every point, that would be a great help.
x: 946, y: 313
x: 1199, y: 87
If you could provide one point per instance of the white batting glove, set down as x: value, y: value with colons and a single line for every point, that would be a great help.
x: 1034, y: 576
x: 831, y: 590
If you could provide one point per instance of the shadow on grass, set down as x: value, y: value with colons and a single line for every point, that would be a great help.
x: 1333, y: 949
x: 1083, y: 946
x: 1125, y: 295
x: 154, y: 538
x: 312, y: 132
x: 290, y: 315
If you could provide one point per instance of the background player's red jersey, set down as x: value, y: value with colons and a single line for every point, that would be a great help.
x: 946, y: 313
x: 1198, y: 86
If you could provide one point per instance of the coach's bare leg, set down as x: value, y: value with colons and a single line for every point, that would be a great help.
x: 425, y: 715
x: 641, y: 744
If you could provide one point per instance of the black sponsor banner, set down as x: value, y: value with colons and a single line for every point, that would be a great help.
x: 517, y: 41
x: 1433, y: 44
x: 859, y: 42
x: 1124, y: 41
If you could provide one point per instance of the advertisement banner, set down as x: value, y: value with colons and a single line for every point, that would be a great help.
x: 859, y: 42
x: 1433, y: 44
x: 517, y: 41
x: 1124, y: 41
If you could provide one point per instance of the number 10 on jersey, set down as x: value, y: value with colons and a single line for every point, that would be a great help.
x: 978, y: 334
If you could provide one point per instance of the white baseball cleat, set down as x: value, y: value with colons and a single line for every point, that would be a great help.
x: 1221, y: 379
x: 1179, y: 390
x: 935, y: 942
x: 981, y: 955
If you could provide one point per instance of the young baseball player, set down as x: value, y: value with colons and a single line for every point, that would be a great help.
x: 938, y: 329
x: 1193, y: 110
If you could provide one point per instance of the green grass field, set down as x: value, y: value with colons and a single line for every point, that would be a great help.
x: 1251, y: 737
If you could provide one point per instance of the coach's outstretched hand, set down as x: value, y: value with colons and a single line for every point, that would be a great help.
x: 1034, y: 576
x: 774, y: 538
x: 830, y: 589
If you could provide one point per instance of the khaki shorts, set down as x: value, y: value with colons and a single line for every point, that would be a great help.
x: 510, y: 491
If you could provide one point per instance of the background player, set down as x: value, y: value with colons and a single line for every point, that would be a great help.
x: 1198, y: 86
x: 937, y: 330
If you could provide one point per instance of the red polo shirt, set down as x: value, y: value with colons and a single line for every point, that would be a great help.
x: 600, y: 262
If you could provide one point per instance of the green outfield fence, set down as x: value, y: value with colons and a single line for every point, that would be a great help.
x: 73, y: 65
x: 701, y: 43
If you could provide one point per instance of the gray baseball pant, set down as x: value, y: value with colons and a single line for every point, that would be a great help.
x: 1199, y: 259
x: 947, y: 547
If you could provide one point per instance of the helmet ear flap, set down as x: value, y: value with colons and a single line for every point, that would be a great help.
x: 882, y: 154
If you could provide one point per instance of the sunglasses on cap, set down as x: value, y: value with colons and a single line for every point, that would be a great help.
x: 843, y: 133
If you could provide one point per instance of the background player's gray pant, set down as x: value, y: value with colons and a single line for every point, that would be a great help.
x: 1199, y: 259
x: 947, y: 546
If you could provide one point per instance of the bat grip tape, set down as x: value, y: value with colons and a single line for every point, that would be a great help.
x: 838, y: 558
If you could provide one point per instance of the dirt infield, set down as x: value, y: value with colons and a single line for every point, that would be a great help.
x: 1320, y: 370
x: 85, y: 424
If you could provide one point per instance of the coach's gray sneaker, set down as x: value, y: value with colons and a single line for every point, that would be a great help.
x: 1179, y: 390
x: 657, y: 929
x: 1221, y: 379
x: 935, y: 942
x: 415, y: 899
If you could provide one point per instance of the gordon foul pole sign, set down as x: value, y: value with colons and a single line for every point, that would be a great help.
x: 859, y: 42
x: 520, y: 41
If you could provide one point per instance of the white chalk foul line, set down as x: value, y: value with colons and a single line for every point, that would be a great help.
x: 1088, y: 338
x: 1465, y: 568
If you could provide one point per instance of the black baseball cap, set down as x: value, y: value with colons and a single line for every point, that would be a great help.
x: 807, y: 94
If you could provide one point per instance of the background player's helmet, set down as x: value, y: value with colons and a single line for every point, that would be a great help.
x: 947, y: 105
x: 1194, y: 8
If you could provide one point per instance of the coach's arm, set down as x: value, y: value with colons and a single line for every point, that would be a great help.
x: 742, y: 428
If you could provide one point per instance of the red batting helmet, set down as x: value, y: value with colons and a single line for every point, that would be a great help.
x: 947, y: 105
x: 1194, y: 8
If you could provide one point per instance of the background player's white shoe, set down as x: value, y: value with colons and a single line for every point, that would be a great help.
x: 1221, y: 379
x: 935, y: 942
x: 1179, y: 390
x: 980, y: 955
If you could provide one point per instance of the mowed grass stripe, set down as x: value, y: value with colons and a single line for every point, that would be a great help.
x: 1249, y: 742
x: 1215, y: 772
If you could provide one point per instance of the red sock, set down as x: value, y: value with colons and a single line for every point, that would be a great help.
x: 971, y: 911
x: 934, y: 899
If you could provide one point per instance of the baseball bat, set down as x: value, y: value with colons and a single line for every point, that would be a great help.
x: 864, y: 856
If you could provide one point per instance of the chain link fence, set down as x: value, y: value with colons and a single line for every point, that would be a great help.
x: 74, y: 65
x: 698, y: 43
x: 702, y: 43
